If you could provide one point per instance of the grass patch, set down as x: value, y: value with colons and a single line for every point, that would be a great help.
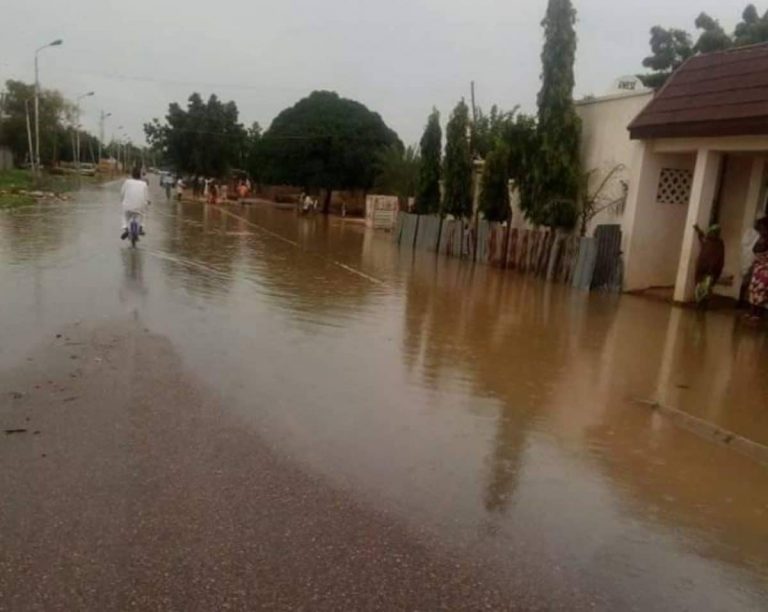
x: 16, y: 179
x: 15, y: 200
x: 23, y: 180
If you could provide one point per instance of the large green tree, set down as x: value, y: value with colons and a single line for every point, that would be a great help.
x: 670, y: 47
x: 204, y: 139
x: 252, y: 143
x: 556, y: 177
x: 752, y: 29
x: 55, y: 114
x: 493, y: 137
x: 325, y: 142
x: 713, y: 37
x: 431, y: 150
x: 494, y: 197
x: 397, y: 171
x: 457, y: 198
x: 487, y: 128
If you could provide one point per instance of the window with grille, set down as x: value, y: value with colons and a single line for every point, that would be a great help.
x: 674, y: 186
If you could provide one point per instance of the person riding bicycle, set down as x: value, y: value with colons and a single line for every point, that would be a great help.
x: 135, y: 198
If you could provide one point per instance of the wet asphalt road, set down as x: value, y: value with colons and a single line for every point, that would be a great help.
x: 258, y: 411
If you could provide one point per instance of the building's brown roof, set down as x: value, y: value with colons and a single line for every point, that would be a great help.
x: 718, y: 94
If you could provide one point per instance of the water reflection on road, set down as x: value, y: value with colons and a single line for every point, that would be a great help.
x: 493, y: 410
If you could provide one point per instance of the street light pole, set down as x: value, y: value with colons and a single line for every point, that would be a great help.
x: 102, y: 117
x: 36, y: 164
x: 121, y: 145
x: 77, y: 107
x: 117, y: 145
x: 29, y: 136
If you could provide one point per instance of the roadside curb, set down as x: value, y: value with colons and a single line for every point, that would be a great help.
x: 708, y: 431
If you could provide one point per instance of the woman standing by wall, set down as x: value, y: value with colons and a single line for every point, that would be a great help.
x: 758, y: 286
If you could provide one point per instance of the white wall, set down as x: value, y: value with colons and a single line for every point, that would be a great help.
x: 733, y: 201
x: 605, y: 144
x: 653, y: 231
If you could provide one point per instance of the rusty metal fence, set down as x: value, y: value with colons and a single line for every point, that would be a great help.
x: 549, y: 254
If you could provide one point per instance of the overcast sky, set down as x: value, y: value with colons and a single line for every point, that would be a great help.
x: 399, y: 57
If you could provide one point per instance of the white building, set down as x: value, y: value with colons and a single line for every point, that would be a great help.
x: 693, y: 153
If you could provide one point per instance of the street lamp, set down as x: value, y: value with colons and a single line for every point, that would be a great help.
x: 77, y: 107
x: 29, y: 134
x: 55, y: 43
x: 102, y: 117
x: 121, y: 135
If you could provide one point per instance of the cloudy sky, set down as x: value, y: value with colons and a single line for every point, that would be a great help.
x: 399, y: 57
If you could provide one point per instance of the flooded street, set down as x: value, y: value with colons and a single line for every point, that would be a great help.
x: 292, y: 412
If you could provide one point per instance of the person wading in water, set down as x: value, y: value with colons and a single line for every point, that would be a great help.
x: 758, y: 285
x: 709, y: 265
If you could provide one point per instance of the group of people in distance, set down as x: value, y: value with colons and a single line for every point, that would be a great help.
x: 754, y: 255
x: 207, y: 189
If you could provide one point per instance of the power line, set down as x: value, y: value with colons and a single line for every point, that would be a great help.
x: 147, y: 79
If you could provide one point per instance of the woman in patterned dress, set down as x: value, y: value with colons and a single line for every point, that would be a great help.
x: 758, y: 287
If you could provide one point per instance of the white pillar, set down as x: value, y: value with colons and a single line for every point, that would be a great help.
x: 640, y: 199
x: 754, y: 193
x: 703, y: 192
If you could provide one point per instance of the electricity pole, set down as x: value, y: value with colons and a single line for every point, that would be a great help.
x: 102, y: 117
x: 474, y: 107
x: 36, y: 164
x: 77, y: 107
x: 29, y: 137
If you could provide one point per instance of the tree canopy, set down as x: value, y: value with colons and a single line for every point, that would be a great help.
x: 57, y: 120
x: 252, y: 143
x: 204, y: 139
x: 487, y: 128
x: 713, y: 37
x: 493, y: 138
x: 554, y: 187
x: 494, y: 197
x: 431, y: 150
x: 397, y: 171
x: 457, y: 198
x: 670, y: 47
x: 326, y: 142
x: 752, y: 29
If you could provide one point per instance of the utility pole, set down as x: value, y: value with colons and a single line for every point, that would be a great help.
x: 475, y: 208
x: 102, y: 117
x: 119, y: 146
x: 474, y: 107
x: 29, y: 137
x: 2, y: 112
x: 77, y: 107
x: 36, y: 161
x: 3, y: 99
x: 36, y: 164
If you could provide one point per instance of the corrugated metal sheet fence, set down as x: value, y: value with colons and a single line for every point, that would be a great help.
x: 553, y: 255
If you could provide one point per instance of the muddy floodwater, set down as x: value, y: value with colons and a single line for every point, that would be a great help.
x: 509, y: 421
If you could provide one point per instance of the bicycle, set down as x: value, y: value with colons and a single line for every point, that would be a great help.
x: 134, y: 228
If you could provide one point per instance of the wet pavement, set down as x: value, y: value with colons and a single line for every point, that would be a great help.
x: 254, y: 410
